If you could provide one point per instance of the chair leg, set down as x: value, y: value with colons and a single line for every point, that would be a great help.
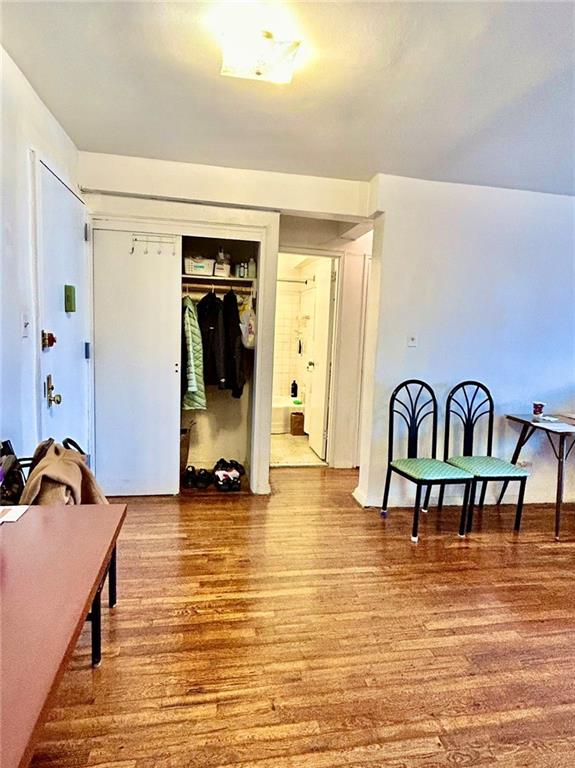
x: 440, y: 499
x: 386, y: 492
x: 425, y: 507
x: 470, y: 507
x: 519, y: 510
x: 464, y: 511
x: 414, y: 536
x: 483, y: 492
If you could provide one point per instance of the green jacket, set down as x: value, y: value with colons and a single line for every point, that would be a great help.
x: 195, y: 394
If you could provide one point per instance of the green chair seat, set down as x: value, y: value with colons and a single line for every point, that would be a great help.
x: 430, y: 470
x: 488, y: 466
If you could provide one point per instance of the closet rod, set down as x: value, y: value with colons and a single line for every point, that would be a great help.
x: 284, y: 280
x: 186, y: 289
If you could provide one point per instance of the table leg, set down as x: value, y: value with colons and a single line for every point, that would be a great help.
x: 526, y: 432
x: 96, y: 620
x: 112, y: 596
x: 560, y: 473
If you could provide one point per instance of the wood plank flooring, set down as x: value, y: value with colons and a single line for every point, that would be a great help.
x: 299, y: 631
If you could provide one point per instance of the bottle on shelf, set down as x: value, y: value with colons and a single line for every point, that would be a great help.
x: 252, y: 268
x: 294, y: 388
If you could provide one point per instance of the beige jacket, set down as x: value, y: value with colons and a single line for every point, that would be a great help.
x: 62, y: 477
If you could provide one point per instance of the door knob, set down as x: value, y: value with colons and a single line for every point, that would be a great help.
x: 50, y: 396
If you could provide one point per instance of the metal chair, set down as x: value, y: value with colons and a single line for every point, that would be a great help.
x: 413, y: 401
x: 471, y: 401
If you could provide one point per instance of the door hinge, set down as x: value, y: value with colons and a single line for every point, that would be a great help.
x: 87, y: 232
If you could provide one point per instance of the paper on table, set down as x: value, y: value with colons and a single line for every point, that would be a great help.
x: 11, y: 514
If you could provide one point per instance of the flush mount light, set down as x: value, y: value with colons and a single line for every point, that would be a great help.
x: 259, y: 56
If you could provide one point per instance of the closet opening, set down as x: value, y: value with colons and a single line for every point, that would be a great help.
x: 304, y: 330
x: 219, y: 304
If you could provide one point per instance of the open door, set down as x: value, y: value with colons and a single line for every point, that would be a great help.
x: 64, y: 307
x: 317, y: 304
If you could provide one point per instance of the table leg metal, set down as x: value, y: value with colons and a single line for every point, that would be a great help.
x: 560, y: 476
x: 526, y: 432
x: 96, y: 620
x: 112, y: 596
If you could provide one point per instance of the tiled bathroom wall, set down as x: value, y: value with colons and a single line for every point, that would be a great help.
x: 286, y: 338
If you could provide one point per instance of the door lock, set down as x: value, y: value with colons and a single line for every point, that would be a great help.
x: 49, y: 392
x: 48, y: 339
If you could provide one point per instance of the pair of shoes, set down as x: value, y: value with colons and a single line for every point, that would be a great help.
x: 202, y: 478
x: 228, y: 475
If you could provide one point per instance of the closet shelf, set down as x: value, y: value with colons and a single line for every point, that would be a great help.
x: 218, y: 279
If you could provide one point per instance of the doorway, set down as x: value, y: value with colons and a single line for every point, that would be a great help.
x: 305, y: 303
x: 64, y: 311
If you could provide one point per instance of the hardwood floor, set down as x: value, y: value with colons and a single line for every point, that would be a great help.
x: 299, y: 631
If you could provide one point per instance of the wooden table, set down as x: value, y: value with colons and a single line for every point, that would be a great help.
x: 564, y: 429
x: 53, y: 563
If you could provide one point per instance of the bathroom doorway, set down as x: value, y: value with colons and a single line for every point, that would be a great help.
x: 305, y: 311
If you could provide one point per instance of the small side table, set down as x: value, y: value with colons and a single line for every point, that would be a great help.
x: 564, y: 431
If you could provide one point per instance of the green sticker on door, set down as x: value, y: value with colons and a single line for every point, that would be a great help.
x: 69, y: 298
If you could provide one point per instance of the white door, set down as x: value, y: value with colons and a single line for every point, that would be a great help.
x: 137, y: 311
x: 319, y: 358
x: 63, y: 260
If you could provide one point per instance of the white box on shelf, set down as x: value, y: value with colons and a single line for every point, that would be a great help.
x: 222, y: 270
x: 197, y: 265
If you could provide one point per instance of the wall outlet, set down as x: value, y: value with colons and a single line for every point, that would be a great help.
x: 411, y: 340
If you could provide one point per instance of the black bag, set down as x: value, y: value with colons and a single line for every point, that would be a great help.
x: 11, y: 480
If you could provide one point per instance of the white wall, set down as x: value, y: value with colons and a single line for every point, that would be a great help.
x: 229, y: 186
x: 287, y: 327
x: 26, y: 124
x: 486, y: 279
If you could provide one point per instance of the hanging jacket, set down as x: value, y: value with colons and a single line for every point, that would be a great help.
x: 211, y: 320
x: 194, y: 397
x: 235, y: 364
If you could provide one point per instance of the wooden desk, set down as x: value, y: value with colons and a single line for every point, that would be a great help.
x: 564, y: 429
x: 53, y: 562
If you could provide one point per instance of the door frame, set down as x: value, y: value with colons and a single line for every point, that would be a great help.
x: 333, y: 346
x: 143, y: 215
x: 36, y: 161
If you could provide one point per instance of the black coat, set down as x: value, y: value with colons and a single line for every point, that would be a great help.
x: 211, y: 320
x: 235, y: 361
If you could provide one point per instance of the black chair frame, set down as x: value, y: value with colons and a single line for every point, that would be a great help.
x: 471, y: 401
x: 413, y: 401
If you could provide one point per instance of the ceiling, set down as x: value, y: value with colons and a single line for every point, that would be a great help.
x: 480, y: 93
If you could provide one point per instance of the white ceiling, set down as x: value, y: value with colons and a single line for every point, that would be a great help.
x: 481, y: 93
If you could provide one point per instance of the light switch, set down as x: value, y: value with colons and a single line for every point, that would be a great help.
x: 25, y: 325
x: 412, y: 340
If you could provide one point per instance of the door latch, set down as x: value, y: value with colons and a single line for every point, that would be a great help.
x: 49, y: 391
x: 48, y: 339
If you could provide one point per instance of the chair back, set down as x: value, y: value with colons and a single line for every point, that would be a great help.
x: 413, y: 401
x: 469, y: 401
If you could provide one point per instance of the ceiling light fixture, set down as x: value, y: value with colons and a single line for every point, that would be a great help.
x: 259, y: 41
x: 260, y: 57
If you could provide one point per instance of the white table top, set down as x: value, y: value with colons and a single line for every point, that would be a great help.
x: 564, y: 425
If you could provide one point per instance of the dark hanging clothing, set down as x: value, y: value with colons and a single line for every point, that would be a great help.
x: 235, y: 363
x: 211, y: 320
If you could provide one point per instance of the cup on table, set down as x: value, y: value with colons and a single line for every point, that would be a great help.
x: 538, y: 407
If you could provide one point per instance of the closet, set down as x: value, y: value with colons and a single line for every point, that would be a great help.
x: 144, y: 432
x: 219, y: 283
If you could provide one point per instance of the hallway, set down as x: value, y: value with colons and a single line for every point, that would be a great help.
x: 300, y: 631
